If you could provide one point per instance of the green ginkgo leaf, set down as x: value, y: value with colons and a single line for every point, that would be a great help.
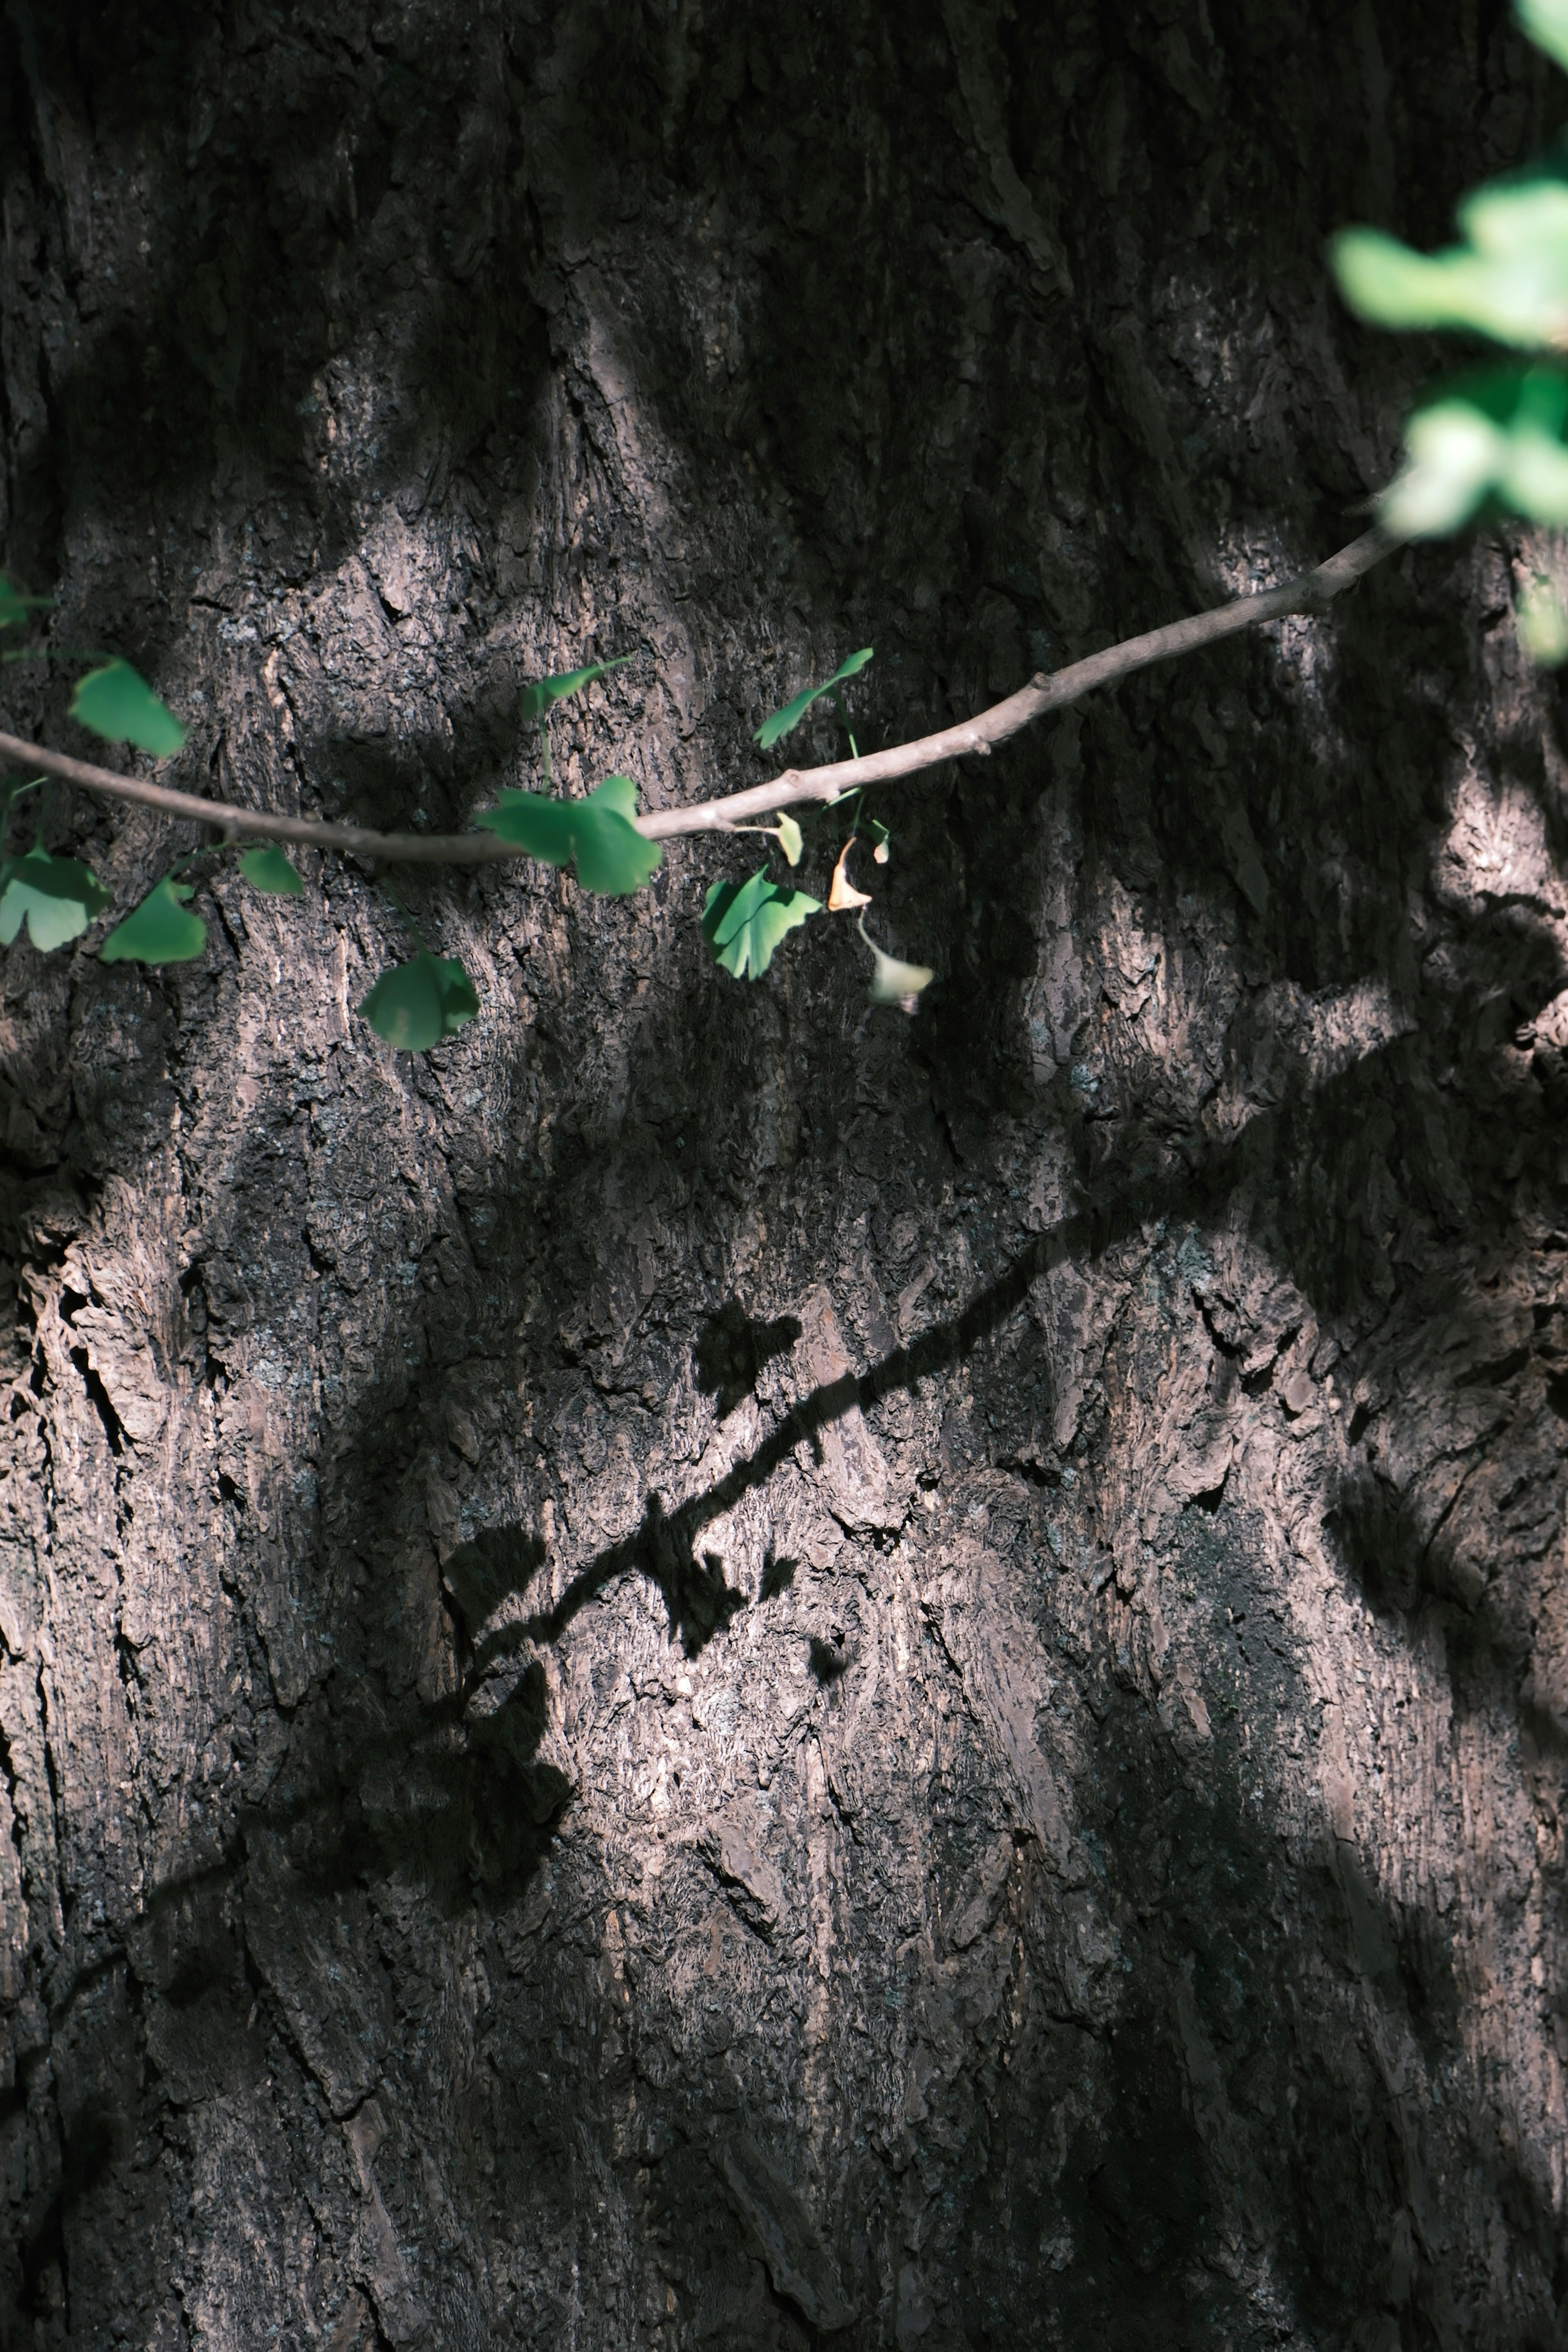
x: 536, y: 699
x: 421, y: 1001
x: 267, y: 869
x: 118, y: 703
x: 160, y: 931
x: 1545, y: 22
x: 598, y: 832
x: 1508, y: 280
x: 781, y: 721
x: 1501, y: 436
x: 790, y: 839
x: 56, y: 897
x: 895, y: 982
x: 1541, y: 623
x: 743, y: 922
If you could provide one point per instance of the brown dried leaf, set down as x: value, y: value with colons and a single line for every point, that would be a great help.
x: 844, y: 895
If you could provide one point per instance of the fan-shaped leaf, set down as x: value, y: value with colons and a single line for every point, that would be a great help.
x: 421, y: 1001
x: 743, y: 922
x: 893, y: 982
x: 160, y: 931
x: 779, y: 724
x: 537, y: 699
x: 118, y: 703
x: 843, y: 893
x: 790, y: 839
x: 269, y: 870
x: 611, y: 854
x: 56, y: 897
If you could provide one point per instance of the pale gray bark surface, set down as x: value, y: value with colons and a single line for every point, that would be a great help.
x: 718, y: 1667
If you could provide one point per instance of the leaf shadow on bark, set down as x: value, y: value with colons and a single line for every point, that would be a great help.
x: 218, y: 379
x: 666, y: 1547
x: 482, y: 1786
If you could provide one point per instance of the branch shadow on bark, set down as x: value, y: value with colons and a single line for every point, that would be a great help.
x: 487, y: 1805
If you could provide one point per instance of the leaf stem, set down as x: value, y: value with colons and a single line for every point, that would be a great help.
x: 843, y: 715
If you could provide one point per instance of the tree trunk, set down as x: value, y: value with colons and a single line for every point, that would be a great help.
x: 719, y: 1668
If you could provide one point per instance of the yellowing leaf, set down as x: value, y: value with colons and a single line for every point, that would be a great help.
x: 790, y: 840
x: 893, y: 981
x: 843, y: 894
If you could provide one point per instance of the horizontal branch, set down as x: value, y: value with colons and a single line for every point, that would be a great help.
x: 1311, y: 592
x: 256, y: 824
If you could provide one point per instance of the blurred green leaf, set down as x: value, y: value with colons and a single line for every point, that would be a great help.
x: 1543, y: 623
x: 269, y: 870
x: 743, y: 922
x: 1509, y: 281
x: 1498, y: 436
x: 117, y: 703
x: 790, y: 840
x: 13, y: 605
x: 56, y: 897
x: 421, y: 1001
x: 1545, y: 22
x: 893, y: 982
x: 880, y: 838
x: 611, y: 854
x: 781, y: 721
x: 160, y: 931
x: 537, y: 699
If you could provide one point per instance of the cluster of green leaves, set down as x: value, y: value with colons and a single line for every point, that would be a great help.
x: 430, y: 997
x: 1498, y: 438
x: 57, y: 898
x: 596, y: 833
x: 745, y: 922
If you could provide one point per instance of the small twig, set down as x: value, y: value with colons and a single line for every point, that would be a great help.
x: 1312, y: 592
x: 256, y: 824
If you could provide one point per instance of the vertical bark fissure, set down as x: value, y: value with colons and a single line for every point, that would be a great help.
x: 717, y: 1668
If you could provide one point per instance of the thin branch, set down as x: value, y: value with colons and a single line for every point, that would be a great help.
x: 253, y: 825
x: 1312, y: 592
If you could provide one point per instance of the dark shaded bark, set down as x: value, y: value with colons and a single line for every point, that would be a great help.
x: 719, y: 1668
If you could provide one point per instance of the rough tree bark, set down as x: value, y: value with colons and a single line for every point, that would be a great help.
x: 718, y: 1666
